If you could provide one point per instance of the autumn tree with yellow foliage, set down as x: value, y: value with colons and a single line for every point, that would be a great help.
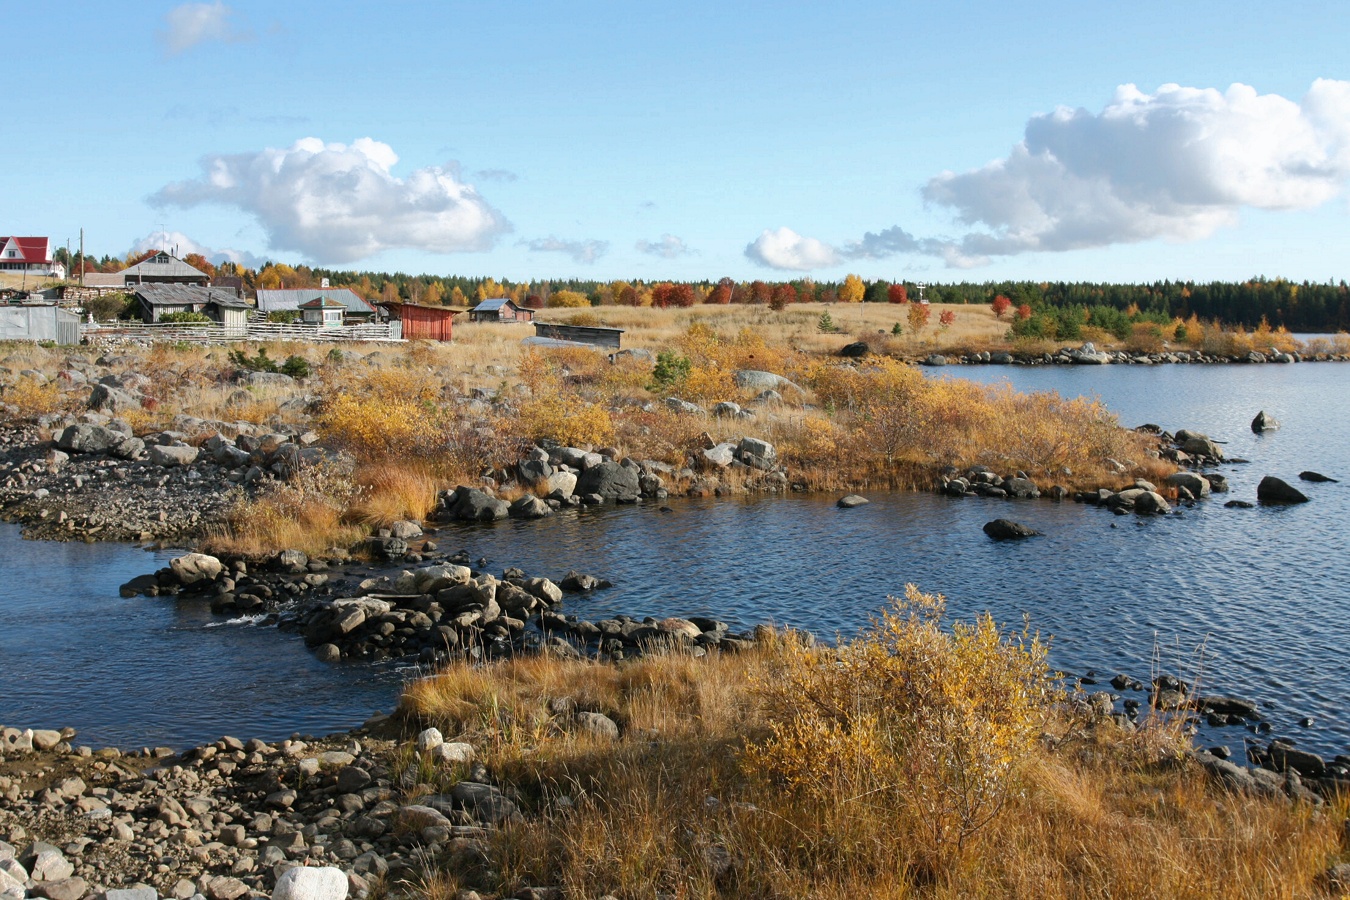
x: 852, y: 290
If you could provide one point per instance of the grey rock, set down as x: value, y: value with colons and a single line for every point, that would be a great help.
x: 851, y: 501
x: 610, y: 481
x: 173, y: 456
x: 1005, y: 529
x: 311, y: 883
x: 529, y: 507
x: 89, y: 438
x: 72, y: 888
x: 1316, y: 478
x: 1263, y: 423
x: 192, y: 568
x: 755, y: 380
x: 1198, y: 485
x: 105, y: 398
x: 1273, y: 490
x: 483, y: 801
x: 721, y: 456
x: 598, y: 725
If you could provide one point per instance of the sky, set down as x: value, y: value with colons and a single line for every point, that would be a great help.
x: 961, y: 140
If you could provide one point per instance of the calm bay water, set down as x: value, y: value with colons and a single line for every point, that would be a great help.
x: 1253, y: 602
x: 154, y: 671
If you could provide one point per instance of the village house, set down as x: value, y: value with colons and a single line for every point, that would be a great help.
x: 355, y: 310
x: 221, y: 305
x: 163, y: 268
x: 32, y: 255
x: 500, y: 309
x: 324, y: 312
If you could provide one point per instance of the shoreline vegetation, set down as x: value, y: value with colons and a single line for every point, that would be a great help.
x: 923, y: 759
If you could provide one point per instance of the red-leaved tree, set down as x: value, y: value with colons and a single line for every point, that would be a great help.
x: 1000, y: 306
x: 896, y: 293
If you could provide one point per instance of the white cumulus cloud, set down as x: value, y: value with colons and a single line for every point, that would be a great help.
x: 190, y: 24
x: 1176, y: 164
x: 668, y: 247
x: 584, y: 251
x: 783, y: 248
x: 181, y: 245
x: 335, y: 203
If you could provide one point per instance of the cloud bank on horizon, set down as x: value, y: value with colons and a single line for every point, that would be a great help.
x: 190, y: 24
x: 1177, y: 164
x: 338, y: 203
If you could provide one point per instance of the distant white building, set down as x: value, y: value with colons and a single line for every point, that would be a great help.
x: 29, y: 254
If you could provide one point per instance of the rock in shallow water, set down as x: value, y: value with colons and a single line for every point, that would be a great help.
x: 1274, y: 490
x: 1005, y: 529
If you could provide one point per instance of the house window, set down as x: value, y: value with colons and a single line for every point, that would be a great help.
x: 13, y: 253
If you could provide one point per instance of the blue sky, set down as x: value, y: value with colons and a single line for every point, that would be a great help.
x: 693, y: 140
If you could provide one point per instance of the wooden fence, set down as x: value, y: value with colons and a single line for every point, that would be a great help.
x: 211, y: 333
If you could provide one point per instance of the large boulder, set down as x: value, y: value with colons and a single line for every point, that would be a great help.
x: 1273, y: 490
x: 1196, y: 444
x: 610, y: 481
x: 192, y: 568
x: 1021, y: 488
x: 755, y: 380
x: 89, y: 439
x: 529, y: 507
x: 173, y: 455
x: 311, y: 883
x: 1005, y: 530
x: 1198, y: 485
x: 1263, y: 422
x: 1316, y: 477
x: 564, y: 483
x: 466, y: 504
x: 105, y: 398
x: 757, y: 454
x: 721, y: 456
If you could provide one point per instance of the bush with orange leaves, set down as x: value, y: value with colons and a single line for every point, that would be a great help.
x: 892, y: 410
x: 933, y: 725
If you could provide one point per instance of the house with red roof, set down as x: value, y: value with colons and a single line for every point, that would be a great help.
x: 29, y: 254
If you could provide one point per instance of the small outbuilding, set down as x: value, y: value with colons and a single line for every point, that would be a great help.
x: 222, y: 305
x: 422, y: 323
x: 579, y: 334
x: 500, y: 309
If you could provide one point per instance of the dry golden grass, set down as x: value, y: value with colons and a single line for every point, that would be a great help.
x: 672, y: 806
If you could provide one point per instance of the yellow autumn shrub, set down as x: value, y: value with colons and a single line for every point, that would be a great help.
x: 933, y: 724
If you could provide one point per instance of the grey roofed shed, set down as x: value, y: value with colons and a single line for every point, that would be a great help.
x: 283, y: 299
x: 158, y: 299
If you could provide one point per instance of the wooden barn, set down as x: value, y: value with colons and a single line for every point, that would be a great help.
x: 500, y: 309
x: 423, y: 323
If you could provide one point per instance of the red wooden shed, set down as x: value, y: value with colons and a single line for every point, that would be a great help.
x: 423, y: 323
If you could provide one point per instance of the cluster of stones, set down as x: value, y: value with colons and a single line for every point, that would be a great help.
x: 564, y: 477
x: 231, y: 820
x: 982, y: 481
x: 1089, y: 355
x: 99, y: 479
x: 449, y: 610
x: 235, y: 586
x: 1278, y: 768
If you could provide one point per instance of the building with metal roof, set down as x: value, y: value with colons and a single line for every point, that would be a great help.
x: 163, y: 268
x: 291, y: 299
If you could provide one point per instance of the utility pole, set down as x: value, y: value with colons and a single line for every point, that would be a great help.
x: 81, y: 256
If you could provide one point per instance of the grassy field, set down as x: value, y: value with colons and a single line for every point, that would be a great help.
x: 918, y: 761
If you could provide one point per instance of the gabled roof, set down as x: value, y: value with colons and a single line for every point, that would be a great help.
x: 187, y: 294
x: 494, y: 303
x: 291, y: 298
x: 323, y: 303
x: 30, y: 249
x: 161, y: 265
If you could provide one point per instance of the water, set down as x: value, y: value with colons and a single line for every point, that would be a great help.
x: 155, y: 672
x: 1253, y: 602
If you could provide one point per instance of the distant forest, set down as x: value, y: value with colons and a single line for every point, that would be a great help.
x: 1295, y: 306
